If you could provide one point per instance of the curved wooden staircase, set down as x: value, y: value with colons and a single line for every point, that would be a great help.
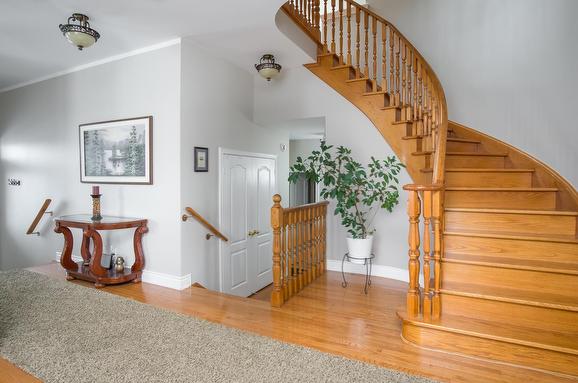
x: 500, y: 258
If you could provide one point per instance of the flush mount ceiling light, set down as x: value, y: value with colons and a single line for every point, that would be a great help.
x: 78, y: 31
x: 267, y: 67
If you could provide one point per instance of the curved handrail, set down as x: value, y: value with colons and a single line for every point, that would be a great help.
x: 204, y: 222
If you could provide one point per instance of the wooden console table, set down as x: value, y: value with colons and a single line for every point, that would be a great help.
x: 90, y: 269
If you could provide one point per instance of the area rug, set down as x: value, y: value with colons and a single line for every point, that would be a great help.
x: 63, y: 332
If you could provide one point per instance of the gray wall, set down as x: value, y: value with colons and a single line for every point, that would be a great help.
x: 216, y: 111
x: 39, y: 144
x: 508, y: 67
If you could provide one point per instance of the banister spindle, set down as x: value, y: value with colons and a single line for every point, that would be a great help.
x: 340, y: 32
x: 293, y: 217
x: 276, y: 223
x: 391, y: 66
x: 374, y: 33
x: 427, y: 211
x: 413, y: 211
x: 348, y: 15
x: 415, y: 88
x: 366, y: 28
x: 437, y: 211
x: 397, y: 79
x: 384, y: 58
x: 408, y: 108
x: 333, y: 26
x: 325, y: 46
x: 357, y: 43
x: 403, y: 79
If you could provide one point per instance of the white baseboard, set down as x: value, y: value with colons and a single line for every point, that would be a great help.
x: 376, y: 270
x: 167, y: 280
x: 160, y: 279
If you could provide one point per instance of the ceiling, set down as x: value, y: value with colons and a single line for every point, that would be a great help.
x: 32, y: 47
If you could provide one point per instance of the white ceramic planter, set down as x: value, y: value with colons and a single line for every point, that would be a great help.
x: 360, y: 248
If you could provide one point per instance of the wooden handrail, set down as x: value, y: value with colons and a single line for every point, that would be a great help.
x: 38, y: 217
x: 204, y: 222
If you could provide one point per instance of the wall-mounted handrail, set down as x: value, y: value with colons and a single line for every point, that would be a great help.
x: 204, y: 222
x: 38, y: 217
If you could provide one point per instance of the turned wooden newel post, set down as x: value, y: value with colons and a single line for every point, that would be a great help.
x: 276, y: 221
x: 427, y: 213
x: 413, y: 211
x: 437, y: 211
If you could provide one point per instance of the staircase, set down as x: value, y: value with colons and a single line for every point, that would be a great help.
x: 500, y: 261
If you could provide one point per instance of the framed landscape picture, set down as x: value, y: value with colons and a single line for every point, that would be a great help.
x: 117, y: 152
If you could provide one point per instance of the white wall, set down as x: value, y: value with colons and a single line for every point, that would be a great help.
x: 39, y: 145
x: 217, y: 111
x: 508, y: 67
x: 300, y: 94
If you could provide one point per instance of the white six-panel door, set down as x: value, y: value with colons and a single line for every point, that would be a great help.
x: 247, y: 187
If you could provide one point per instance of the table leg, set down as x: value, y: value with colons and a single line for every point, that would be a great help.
x: 138, y: 264
x: 344, y: 283
x: 95, y: 266
x: 85, y: 248
x: 66, y: 255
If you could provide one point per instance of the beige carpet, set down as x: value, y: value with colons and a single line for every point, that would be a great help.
x: 62, y: 332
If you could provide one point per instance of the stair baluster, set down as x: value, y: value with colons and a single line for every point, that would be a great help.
x: 325, y: 46
x: 358, y: 43
x: 332, y: 26
x: 340, y: 32
x: 374, y: 33
x: 384, y: 86
x: 348, y: 15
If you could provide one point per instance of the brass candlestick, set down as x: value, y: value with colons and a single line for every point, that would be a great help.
x: 96, y: 207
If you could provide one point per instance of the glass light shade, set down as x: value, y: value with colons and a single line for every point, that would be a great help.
x: 80, y: 39
x: 269, y: 73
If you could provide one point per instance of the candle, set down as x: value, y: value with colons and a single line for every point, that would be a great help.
x: 95, y: 190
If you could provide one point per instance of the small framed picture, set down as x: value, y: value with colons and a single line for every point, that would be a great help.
x: 201, y: 159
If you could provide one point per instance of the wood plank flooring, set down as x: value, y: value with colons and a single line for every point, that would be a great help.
x: 323, y: 316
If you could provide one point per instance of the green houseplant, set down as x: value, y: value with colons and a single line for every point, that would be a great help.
x: 359, y: 192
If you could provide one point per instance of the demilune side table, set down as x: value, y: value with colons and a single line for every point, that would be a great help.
x: 368, y: 262
x: 90, y: 269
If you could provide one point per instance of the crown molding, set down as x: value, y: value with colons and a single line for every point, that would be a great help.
x: 106, y: 60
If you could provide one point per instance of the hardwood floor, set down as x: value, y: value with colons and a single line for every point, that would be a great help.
x: 323, y: 316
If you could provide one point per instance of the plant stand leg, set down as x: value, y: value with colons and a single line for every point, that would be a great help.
x: 344, y: 283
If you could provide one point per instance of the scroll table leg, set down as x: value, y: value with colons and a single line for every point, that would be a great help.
x: 138, y: 252
x: 95, y: 260
x: 66, y: 255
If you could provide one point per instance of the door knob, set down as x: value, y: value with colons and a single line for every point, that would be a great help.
x: 253, y: 233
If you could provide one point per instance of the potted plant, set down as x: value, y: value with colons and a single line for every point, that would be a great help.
x: 359, y: 192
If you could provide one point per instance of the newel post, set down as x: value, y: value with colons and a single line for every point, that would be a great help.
x: 413, y: 211
x: 276, y: 221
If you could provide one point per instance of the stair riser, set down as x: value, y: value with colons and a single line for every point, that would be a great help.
x: 458, y: 161
x: 328, y: 61
x: 491, y: 349
x: 359, y: 86
x: 454, y: 146
x: 518, y: 223
x: 521, y: 249
x: 378, y: 100
x: 488, y: 179
x: 346, y: 73
x: 545, y: 200
x: 522, y: 314
x: 553, y: 283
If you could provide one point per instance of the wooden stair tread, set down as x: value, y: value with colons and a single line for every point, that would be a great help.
x: 458, y: 139
x: 500, y: 331
x: 378, y: 93
x: 512, y: 211
x: 504, y: 294
x: 481, y: 170
x: 473, y: 154
x: 357, y: 79
x: 391, y: 107
x: 494, y: 189
x: 345, y: 66
x: 548, y: 266
x: 513, y: 235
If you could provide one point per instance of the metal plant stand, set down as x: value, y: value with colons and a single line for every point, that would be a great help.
x: 368, y: 262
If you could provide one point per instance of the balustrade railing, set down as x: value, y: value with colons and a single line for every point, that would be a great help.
x: 299, y: 244
x: 376, y: 51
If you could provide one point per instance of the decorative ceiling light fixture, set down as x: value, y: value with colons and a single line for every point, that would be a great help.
x: 79, y: 34
x: 267, y: 67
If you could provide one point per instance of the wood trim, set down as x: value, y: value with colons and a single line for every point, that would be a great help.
x: 204, y: 222
x: 38, y: 217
